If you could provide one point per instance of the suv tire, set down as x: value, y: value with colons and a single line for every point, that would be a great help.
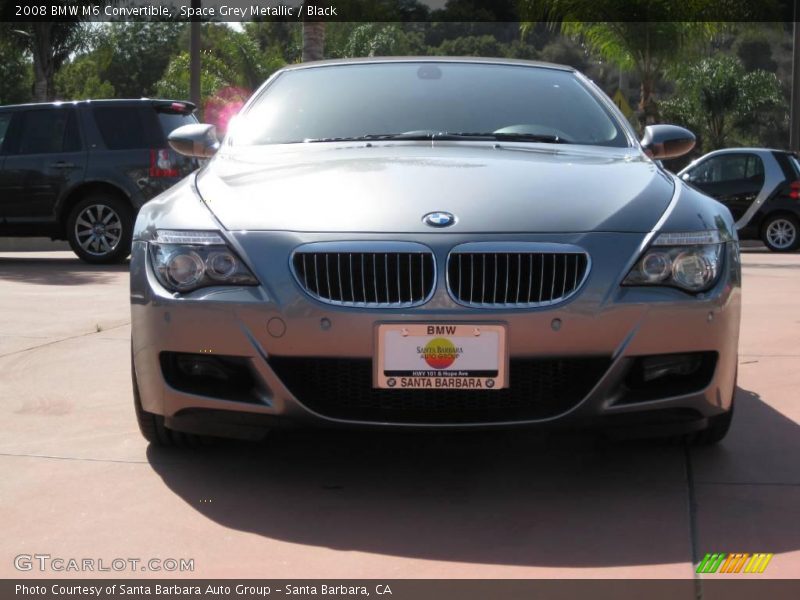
x: 100, y: 228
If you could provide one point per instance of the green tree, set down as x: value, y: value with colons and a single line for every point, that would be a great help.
x: 215, y: 74
x: 81, y: 80
x: 564, y: 52
x: 132, y: 56
x: 378, y: 39
x: 49, y: 44
x: 643, y: 36
x: 473, y: 45
x: 121, y: 59
x: 239, y: 50
x: 724, y: 104
x: 230, y: 59
x: 277, y: 38
x: 16, y: 73
x: 755, y: 51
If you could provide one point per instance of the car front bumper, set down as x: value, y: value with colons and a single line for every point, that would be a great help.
x: 280, y: 336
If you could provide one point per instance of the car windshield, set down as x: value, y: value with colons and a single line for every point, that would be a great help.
x: 425, y: 100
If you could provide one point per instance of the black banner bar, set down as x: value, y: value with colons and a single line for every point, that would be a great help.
x: 397, y: 11
x: 746, y: 587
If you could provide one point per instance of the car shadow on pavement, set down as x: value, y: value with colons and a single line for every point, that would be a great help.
x: 56, y: 271
x: 504, y: 497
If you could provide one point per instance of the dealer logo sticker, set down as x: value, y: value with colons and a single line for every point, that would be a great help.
x: 440, y: 353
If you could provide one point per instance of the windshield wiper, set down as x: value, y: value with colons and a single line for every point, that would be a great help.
x: 445, y: 136
x: 368, y: 137
x: 502, y: 137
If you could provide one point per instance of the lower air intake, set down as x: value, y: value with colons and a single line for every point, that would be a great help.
x: 342, y: 389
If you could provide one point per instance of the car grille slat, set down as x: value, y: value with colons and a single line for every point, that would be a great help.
x: 472, y: 270
x: 541, y: 278
x: 328, y: 276
x: 391, y: 279
x: 515, y: 279
x: 575, y: 273
x: 494, y: 289
x: 305, y: 272
x: 363, y: 280
x: 421, y: 276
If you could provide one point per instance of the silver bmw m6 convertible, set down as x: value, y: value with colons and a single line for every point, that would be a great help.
x: 452, y: 243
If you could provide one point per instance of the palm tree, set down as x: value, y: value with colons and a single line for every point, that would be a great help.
x: 50, y: 44
x: 644, y: 36
x: 313, y: 37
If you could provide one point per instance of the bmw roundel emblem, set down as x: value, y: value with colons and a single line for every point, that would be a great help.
x: 439, y: 219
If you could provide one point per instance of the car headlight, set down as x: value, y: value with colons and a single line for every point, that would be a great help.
x: 688, y: 261
x: 187, y: 260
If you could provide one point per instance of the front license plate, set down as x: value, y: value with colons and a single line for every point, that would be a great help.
x: 441, y: 356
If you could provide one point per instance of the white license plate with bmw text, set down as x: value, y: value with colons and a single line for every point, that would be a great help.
x: 441, y: 356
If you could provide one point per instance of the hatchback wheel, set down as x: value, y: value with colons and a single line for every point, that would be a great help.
x: 781, y: 233
x: 100, y: 229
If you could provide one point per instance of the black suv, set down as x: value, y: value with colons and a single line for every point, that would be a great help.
x: 80, y: 171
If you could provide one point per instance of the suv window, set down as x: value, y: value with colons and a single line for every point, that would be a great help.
x: 170, y: 121
x: 5, y: 120
x: 795, y: 164
x: 48, y: 132
x: 127, y: 127
x: 729, y: 167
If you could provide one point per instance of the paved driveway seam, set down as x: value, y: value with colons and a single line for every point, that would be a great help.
x: 72, y: 337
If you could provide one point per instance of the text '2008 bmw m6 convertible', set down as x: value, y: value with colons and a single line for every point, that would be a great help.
x: 433, y: 243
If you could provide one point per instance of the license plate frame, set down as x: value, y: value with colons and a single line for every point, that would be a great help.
x: 463, y: 362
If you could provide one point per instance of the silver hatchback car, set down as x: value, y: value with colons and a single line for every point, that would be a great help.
x: 399, y: 243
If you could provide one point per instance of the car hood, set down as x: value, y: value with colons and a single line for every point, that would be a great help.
x: 389, y: 187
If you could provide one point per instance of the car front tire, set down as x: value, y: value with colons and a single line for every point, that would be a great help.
x: 716, y: 431
x: 152, y: 426
x: 781, y: 233
x: 100, y: 229
x: 719, y: 425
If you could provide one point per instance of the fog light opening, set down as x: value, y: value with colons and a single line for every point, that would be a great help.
x: 667, y: 375
x: 656, y: 367
x: 201, y: 366
x: 216, y: 376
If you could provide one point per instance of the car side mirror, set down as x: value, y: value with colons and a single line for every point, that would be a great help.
x: 198, y: 140
x: 667, y: 141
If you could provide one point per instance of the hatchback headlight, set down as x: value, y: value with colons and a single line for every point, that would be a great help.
x: 689, y: 261
x: 187, y: 260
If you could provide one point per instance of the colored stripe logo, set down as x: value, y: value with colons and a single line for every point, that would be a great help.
x: 737, y: 562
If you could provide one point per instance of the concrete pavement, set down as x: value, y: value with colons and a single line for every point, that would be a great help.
x: 79, y: 482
